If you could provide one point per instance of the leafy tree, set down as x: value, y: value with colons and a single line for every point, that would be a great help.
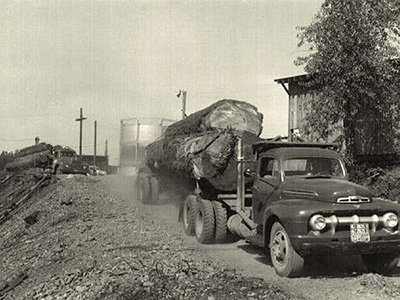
x: 353, y: 61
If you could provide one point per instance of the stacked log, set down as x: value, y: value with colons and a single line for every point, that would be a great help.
x: 36, y: 156
x: 33, y: 149
x: 203, y: 146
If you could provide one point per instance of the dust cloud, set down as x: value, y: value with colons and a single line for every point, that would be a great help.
x: 166, y: 209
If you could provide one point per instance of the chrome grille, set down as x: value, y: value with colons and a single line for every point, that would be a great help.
x: 334, y: 221
x: 353, y: 199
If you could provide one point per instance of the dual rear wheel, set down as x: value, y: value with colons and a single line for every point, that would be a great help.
x: 205, y: 219
x: 147, y: 188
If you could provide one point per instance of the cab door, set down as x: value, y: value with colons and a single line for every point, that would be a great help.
x: 265, y: 186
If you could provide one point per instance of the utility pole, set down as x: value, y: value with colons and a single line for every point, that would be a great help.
x: 182, y: 94
x: 95, y: 143
x: 80, y: 120
x: 106, y: 152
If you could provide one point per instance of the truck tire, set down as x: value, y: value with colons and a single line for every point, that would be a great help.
x: 205, y: 222
x: 155, y: 189
x: 221, y: 228
x: 380, y: 263
x: 286, y: 261
x: 144, y: 189
x: 189, y: 214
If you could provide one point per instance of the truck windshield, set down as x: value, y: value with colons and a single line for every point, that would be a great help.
x: 67, y: 153
x: 312, y: 167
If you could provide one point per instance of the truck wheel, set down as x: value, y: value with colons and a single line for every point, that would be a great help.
x: 380, y: 263
x: 144, y: 190
x: 221, y: 229
x: 189, y: 214
x: 155, y: 189
x: 205, y: 222
x: 286, y: 261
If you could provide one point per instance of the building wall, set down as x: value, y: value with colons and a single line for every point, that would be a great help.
x: 372, y: 135
x: 298, y: 112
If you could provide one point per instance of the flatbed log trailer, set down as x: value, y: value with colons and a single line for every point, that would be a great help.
x: 300, y: 204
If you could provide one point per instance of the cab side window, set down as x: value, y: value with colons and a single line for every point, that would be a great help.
x: 269, y: 167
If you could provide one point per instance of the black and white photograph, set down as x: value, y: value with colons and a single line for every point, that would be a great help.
x: 199, y: 149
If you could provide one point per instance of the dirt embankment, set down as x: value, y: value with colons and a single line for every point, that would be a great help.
x: 84, y: 243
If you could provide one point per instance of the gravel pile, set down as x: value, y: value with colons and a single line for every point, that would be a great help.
x: 86, y: 244
x: 373, y: 283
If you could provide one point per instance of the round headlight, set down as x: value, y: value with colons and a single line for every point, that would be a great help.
x: 390, y: 220
x: 317, y: 222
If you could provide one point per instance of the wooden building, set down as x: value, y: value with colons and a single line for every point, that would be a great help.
x: 373, y: 138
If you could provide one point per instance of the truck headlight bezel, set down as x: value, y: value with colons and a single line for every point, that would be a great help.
x: 390, y: 220
x: 317, y: 222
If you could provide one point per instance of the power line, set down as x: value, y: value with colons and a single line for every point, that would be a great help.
x: 19, y: 140
x: 34, y: 116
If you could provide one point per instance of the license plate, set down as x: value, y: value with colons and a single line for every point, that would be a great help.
x: 359, y: 233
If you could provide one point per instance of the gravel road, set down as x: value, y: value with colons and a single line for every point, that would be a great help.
x: 324, y: 278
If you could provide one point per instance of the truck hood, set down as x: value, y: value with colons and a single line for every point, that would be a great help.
x: 321, y: 189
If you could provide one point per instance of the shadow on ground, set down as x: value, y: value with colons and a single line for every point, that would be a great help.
x: 320, y: 266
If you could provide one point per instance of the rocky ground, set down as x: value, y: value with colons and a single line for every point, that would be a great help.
x: 84, y: 243
x: 79, y: 237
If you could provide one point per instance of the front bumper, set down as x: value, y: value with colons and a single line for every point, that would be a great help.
x: 340, y: 244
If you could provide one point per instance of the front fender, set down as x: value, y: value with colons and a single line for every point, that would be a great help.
x: 293, y: 214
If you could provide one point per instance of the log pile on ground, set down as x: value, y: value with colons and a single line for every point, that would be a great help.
x: 203, y: 146
x: 33, y: 149
x: 36, y: 156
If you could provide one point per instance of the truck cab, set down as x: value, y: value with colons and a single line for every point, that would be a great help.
x: 305, y: 205
x: 66, y: 161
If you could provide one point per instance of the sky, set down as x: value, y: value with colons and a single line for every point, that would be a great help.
x: 121, y: 59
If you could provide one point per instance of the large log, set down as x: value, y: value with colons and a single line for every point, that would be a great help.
x: 207, y: 157
x: 33, y: 149
x: 40, y: 160
x: 203, y: 146
x: 224, y: 114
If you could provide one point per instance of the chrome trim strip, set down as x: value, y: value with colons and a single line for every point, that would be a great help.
x: 353, y: 199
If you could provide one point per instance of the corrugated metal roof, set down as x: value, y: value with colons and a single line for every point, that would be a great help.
x: 290, y: 79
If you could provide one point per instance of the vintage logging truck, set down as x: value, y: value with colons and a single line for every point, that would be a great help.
x: 293, y: 198
x: 56, y: 159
